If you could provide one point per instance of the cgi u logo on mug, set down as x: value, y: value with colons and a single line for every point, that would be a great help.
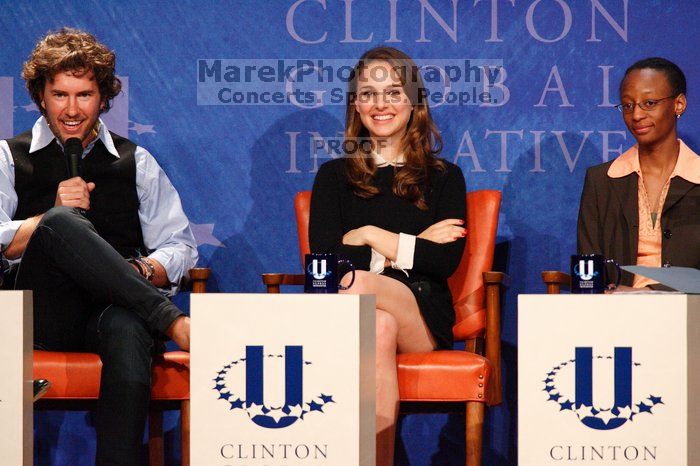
x: 586, y: 273
x: 242, y: 382
x: 589, y: 273
x: 321, y: 273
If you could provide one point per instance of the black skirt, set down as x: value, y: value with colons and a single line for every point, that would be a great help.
x: 434, y: 302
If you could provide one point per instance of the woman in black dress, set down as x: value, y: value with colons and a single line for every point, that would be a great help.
x: 397, y: 211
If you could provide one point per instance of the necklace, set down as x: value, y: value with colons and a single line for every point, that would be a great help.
x: 666, y: 174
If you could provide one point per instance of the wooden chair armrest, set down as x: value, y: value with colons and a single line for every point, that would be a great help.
x: 496, y: 278
x: 198, y: 279
x: 493, y: 282
x: 273, y: 281
x: 555, y: 280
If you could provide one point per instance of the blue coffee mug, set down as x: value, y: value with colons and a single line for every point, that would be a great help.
x: 321, y: 273
x: 589, y: 274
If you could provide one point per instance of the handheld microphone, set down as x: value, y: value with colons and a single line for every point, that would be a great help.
x: 73, y: 148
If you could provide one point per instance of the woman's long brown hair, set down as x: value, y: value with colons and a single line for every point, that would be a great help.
x: 420, y: 144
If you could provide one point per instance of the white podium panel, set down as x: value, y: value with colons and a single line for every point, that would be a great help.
x: 608, y: 379
x: 282, y: 380
x: 16, y: 389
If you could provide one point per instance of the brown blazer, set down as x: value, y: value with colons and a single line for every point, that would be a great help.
x: 608, y: 220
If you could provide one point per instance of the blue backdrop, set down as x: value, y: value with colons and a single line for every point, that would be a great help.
x: 237, y: 167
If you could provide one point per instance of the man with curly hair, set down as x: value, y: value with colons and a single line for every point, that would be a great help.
x: 100, y: 251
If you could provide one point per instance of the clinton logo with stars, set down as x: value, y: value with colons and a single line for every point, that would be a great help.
x: 581, y: 402
x: 241, y: 383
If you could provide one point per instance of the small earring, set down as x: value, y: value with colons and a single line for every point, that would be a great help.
x: 678, y: 115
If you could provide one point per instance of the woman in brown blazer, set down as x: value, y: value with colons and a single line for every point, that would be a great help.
x: 644, y: 207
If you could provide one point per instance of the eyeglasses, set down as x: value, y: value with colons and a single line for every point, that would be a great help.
x: 647, y: 105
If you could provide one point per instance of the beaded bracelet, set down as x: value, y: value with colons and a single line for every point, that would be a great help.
x: 145, y: 268
x: 149, y: 269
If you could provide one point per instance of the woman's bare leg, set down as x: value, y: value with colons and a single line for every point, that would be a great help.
x: 387, y: 387
x: 399, y: 328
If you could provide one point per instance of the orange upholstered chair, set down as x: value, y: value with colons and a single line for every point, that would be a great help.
x: 449, y: 376
x: 75, y: 384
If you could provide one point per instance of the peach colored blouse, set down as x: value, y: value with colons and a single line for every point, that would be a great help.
x: 649, y: 245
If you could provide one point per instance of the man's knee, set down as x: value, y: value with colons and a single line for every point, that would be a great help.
x: 60, y: 217
x: 122, y: 329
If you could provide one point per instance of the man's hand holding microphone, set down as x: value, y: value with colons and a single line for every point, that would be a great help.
x: 74, y: 192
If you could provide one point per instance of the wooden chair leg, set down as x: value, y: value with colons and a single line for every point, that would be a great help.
x: 475, y: 432
x: 273, y: 289
x: 475, y: 345
x: 156, y: 453
x: 470, y: 345
x: 185, y: 431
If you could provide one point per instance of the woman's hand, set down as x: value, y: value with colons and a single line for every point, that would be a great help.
x: 356, y: 237
x: 445, y: 231
x: 382, y: 241
x: 626, y: 289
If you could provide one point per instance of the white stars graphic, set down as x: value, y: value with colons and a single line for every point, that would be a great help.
x: 204, y: 234
x: 276, y: 414
x: 141, y: 128
x: 584, y: 411
x: 625, y: 412
x: 605, y: 415
x: 295, y: 410
x: 255, y: 410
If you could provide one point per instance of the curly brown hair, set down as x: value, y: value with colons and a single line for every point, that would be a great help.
x: 420, y: 144
x: 75, y: 51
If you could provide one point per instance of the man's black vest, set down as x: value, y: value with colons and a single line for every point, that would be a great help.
x: 114, y: 203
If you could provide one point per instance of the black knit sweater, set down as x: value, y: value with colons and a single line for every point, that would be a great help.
x: 335, y: 210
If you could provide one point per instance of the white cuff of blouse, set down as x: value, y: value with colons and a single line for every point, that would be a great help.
x: 405, y: 252
x: 404, y: 256
x: 376, y: 263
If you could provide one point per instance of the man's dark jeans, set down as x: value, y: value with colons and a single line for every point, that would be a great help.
x: 88, y: 298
